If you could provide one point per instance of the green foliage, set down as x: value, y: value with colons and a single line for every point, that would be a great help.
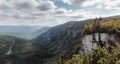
x: 97, y: 25
x: 117, y: 26
x: 99, y: 56
x: 111, y: 26
x: 87, y: 28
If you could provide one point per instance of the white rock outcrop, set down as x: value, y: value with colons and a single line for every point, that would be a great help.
x: 90, y: 41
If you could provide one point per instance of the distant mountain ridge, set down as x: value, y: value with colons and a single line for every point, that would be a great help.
x: 69, y: 26
x: 23, y: 31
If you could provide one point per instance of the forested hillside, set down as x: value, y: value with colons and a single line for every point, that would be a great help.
x: 62, y: 41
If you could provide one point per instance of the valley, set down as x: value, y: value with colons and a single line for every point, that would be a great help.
x: 59, y: 31
x: 10, y: 48
x: 59, y: 44
x: 25, y: 32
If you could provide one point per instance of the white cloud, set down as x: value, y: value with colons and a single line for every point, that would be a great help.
x: 29, y: 12
x: 82, y: 2
x: 45, y: 12
x: 46, y: 6
x: 75, y: 2
x: 60, y: 11
x: 112, y: 4
x: 107, y: 4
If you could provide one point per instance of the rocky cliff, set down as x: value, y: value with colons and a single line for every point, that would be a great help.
x: 91, y: 41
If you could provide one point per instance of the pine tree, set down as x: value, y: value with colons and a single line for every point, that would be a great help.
x: 87, y: 28
x: 117, y: 26
x: 97, y: 25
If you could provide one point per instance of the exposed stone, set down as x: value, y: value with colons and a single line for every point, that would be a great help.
x: 91, y: 41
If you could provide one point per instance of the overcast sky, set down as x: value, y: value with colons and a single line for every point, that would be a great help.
x: 54, y: 12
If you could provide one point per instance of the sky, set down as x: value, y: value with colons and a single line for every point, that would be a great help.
x: 54, y: 12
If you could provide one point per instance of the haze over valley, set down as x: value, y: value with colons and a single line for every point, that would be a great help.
x: 59, y: 32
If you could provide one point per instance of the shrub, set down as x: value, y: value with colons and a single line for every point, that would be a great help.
x: 100, y: 56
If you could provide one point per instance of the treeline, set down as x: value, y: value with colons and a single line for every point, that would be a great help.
x: 111, y: 26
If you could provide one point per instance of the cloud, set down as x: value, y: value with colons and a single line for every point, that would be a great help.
x: 75, y: 2
x: 60, y: 11
x: 46, y: 6
x: 46, y: 12
x: 23, y: 5
x: 107, y: 4
x: 112, y: 4
x: 26, y: 7
x: 20, y: 12
x: 4, y: 8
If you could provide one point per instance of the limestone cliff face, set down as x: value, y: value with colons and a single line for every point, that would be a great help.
x: 88, y: 45
x: 91, y: 41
